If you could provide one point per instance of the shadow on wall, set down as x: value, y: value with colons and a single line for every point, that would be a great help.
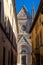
x: 9, y: 32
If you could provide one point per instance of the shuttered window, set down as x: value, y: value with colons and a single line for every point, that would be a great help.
x: 3, y: 55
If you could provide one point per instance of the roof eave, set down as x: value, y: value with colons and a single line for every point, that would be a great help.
x: 36, y: 17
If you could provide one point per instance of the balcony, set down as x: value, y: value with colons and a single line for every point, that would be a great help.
x: 41, y: 50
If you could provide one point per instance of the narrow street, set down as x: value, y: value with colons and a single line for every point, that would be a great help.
x: 21, y: 32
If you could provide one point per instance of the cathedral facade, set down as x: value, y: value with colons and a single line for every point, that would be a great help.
x: 24, y: 47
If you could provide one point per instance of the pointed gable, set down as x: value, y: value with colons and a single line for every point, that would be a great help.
x: 24, y: 20
x: 23, y: 14
x: 24, y: 40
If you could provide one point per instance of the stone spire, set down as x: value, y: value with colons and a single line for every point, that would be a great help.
x: 32, y: 12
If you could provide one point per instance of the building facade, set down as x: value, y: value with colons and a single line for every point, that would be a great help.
x: 24, y: 20
x: 36, y: 31
x: 24, y: 56
x: 24, y: 47
x: 8, y: 33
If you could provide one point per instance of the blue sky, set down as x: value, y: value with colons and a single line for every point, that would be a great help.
x: 28, y: 4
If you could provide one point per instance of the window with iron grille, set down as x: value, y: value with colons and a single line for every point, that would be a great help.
x: 9, y: 58
x: 40, y: 38
x: 3, y: 55
x: 41, y: 59
x: 37, y: 59
x: 37, y: 41
x: 42, y: 22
